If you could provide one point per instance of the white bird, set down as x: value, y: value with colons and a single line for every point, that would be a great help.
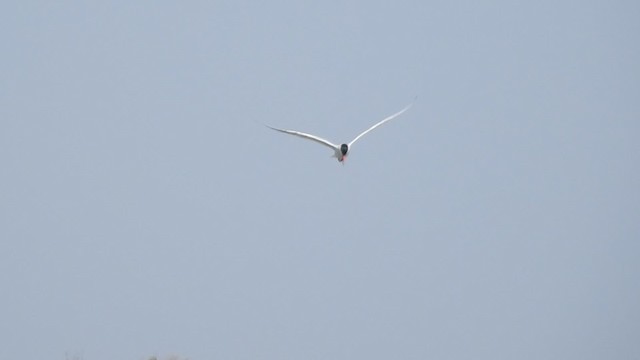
x: 341, y: 151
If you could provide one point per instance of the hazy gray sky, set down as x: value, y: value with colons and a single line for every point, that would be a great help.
x: 145, y: 210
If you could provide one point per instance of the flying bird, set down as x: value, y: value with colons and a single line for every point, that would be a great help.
x: 340, y: 151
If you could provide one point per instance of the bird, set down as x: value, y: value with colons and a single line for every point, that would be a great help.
x: 340, y: 151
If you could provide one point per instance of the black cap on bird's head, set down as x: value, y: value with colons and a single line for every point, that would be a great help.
x: 344, y: 148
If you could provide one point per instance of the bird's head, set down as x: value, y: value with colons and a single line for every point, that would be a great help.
x: 344, y: 149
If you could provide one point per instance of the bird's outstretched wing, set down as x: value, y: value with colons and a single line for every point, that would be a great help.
x: 380, y: 123
x: 307, y: 136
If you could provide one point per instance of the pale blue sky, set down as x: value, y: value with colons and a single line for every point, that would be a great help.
x: 145, y: 210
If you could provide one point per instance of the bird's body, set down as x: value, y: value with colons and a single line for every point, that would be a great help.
x: 340, y: 151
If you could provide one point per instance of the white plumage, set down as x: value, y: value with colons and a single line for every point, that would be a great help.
x: 340, y: 151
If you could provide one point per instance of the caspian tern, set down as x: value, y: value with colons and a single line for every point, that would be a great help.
x: 341, y: 151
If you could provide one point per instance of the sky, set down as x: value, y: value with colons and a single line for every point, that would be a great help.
x: 146, y: 211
